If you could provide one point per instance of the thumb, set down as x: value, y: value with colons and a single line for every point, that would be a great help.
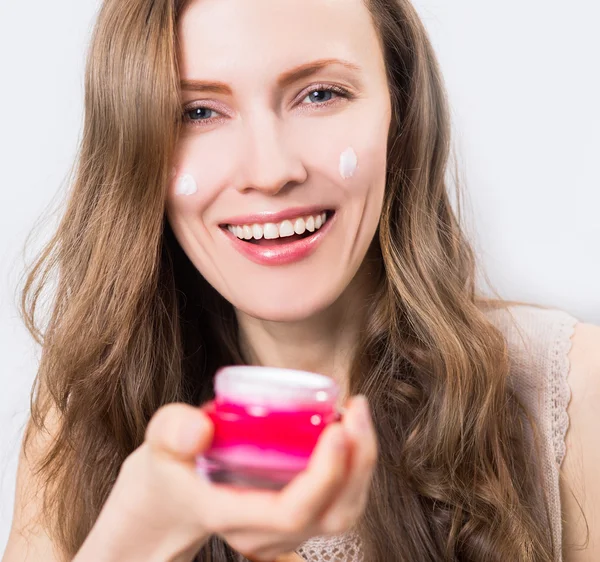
x: 180, y: 430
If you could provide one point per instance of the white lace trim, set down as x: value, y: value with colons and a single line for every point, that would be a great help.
x: 560, y: 391
x: 332, y: 548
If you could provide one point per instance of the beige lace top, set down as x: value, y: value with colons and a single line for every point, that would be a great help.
x: 538, y: 347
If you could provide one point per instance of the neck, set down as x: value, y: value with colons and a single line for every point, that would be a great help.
x: 324, y: 343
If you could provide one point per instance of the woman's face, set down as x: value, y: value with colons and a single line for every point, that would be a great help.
x: 269, y: 151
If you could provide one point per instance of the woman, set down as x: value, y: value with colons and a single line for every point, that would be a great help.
x: 240, y: 203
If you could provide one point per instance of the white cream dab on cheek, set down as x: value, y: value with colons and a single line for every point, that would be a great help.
x: 186, y: 185
x: 348, y: 163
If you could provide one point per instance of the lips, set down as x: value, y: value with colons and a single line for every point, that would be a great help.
x: 281, y: 250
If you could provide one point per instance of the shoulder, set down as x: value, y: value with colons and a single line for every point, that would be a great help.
x: 29, y: 539
x: 555, y: 368
x: 585, y: 357
x: 579, y: 480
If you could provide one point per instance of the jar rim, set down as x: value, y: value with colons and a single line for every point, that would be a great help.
x: 252, y: 383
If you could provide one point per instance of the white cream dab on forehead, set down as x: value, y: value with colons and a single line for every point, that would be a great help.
x: 348, y: 163
x: 186, y: 185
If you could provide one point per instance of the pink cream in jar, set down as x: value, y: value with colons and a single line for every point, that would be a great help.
x: 267, y: 422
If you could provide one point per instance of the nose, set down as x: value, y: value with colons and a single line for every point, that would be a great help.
x: 268, y: 165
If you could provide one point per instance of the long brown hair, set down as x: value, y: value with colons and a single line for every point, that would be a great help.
x: 132, y: 324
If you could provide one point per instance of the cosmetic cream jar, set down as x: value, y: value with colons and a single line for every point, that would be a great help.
x: 267, y: 422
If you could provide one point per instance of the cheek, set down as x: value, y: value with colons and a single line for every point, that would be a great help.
x: 190, y: 191
x: 197, y: 174
x: 371, y: 150
x: 183, y: 195
x: 371, y: 160
x: 185, y: 184
x: 359, y: 166
x: 352, y: 154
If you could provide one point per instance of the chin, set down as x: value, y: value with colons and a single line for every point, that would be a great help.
x: 285, y: 307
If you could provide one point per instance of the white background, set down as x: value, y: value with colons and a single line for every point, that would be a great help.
x: 523, y: 81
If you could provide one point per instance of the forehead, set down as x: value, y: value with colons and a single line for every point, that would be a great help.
x: 231, y: 39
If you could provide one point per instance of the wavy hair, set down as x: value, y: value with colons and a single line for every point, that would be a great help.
x: 132, y: 325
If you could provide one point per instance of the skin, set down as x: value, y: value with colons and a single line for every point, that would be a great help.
x: 266, y: 148
x: 579, y: 482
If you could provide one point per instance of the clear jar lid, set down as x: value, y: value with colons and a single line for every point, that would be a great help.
x: 249, y: 384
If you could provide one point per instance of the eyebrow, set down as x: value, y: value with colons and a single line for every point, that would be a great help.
x: 284, y: 80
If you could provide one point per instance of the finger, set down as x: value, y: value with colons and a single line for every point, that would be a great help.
x: 303, y: 499
x: 311, y: 492
x: 180, y: 430
x: 348, y: 506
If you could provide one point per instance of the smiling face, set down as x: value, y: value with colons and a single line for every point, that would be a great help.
x: 279, y: 172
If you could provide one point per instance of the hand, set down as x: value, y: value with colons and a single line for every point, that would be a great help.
x: 160, y: 492
x: 326, y: 498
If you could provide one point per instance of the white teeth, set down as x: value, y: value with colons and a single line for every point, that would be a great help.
x: 257, y: 231
x: 299, y: 226
x: 271, y: 231
x: 285, y: 228
x: 247, y: 232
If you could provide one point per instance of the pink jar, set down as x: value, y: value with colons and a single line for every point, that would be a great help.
x: 267, y: 423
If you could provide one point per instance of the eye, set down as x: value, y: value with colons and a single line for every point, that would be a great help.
x: 329, y: 91
x: 197, y: 113
x: 197, y: 116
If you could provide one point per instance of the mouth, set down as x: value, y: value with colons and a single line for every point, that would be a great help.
x: 284, y: 232
x: 280, y: 243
